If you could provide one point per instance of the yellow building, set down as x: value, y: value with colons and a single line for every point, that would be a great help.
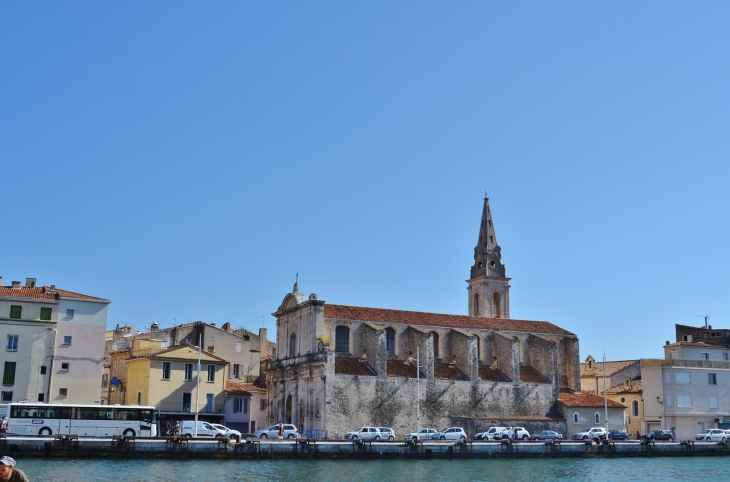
x: 118, y: 367
x: 168, y: 379
x: 631, y: 395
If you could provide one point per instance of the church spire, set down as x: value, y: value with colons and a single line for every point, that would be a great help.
x: 488, y: 283
x: 487, y: 253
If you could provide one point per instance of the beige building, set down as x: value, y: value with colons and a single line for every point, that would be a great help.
x: 168, y: 380
x: 631, y: 395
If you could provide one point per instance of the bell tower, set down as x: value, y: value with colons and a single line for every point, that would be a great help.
x: 488, y: 285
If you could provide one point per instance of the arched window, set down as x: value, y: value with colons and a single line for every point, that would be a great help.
x: 476, y: 304
x: 390, y: 341
x: 293, y: 345
x: 316, y: 409
x: 597, y: 417
x: 342, y: 339
x: 497, y: 312
x: 300, y: 415
x: 479, y: 349
x: 576, y: 418
x: 635, y: 408
x: 435, y: 337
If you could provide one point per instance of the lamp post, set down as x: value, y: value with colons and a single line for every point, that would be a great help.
x: 197, y: 386
x: 418, y: 388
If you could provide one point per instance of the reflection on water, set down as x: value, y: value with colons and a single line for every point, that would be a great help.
x: 665, y: 468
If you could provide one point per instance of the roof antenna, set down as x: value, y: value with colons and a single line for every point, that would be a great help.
x: 707, y: 321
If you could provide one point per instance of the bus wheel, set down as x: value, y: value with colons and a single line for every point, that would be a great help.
x: 129, y: 432
x: 44, y: 431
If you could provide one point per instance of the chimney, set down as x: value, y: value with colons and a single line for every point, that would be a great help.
x: 30, y: 282
x: 1, y: 281
x: 226, y: 327
x: 16, y: 284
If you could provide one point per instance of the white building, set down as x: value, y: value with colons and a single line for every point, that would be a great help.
x: 687, y: 390
x: 54, y: 343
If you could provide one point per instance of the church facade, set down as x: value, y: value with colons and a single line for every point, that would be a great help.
x: 337, y: 368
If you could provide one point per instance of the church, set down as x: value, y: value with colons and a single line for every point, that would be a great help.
x: 337, y: 368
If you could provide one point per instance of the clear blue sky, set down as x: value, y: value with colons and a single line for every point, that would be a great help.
x: 186, y: 160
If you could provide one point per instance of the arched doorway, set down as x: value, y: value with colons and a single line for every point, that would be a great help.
x: 288, y: 409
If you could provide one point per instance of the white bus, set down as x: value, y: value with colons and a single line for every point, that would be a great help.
x: 91, y: 420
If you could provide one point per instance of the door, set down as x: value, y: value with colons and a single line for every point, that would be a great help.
x: 288, y: 409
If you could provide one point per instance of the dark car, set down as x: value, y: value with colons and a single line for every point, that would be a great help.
x: 658, y: 435
x: 617, y: 435
x: 547, y: 435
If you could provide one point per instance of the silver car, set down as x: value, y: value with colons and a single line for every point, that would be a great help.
x: 423, y: 434
x: 290, y: 432
x: 365, y: 433
x: 453, y: 433
x: 387, y: 433
x: 230, y: 433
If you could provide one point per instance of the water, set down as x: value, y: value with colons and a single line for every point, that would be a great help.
x: 654, y: 469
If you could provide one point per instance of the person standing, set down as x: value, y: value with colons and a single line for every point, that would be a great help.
x: 8, y: 472
x: 4, y: 425
x: 281, y: 431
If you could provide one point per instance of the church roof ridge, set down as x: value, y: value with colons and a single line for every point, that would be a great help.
x: 385, y: 315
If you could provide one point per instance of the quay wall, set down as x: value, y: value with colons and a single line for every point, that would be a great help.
x: 173, y: 447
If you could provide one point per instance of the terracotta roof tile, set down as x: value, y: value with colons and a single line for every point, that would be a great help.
x: 381, y: 315
x: 402, y: 370
x: 44, y: 292
x: 636, y: 387
x: 530, y: 375
x: 353, y: 366
x: 442, y: 371
x: 612, y: 367
x: 585, y: 399
x: 244, y: 388
x: 523, y: 418
x: 700, y: 344
x: 491, y: 374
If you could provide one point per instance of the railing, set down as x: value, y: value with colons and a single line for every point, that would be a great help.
x: 646, y: 362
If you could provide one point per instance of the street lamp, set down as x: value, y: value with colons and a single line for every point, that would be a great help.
x: 197, y: 386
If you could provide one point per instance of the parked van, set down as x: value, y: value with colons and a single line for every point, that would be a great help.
x: 204, y: 429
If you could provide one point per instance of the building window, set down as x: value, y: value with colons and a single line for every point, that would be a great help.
x: 65, y: 366
x: 342, y: 339
x: 188, y: 372
x: 9, y: 373
x: 576, y: 417
x: 238, y: 347
x: 635, y: 408
x: 209, y: 403
x: 668, y: 401
x: 104, y: 380
x: 684, y: 400
x: 235, y: 370
x: 63, y: 392
x: 139, y: 398
x: 497, y: 313
x: 41, y: 397
x: 622, y: 399
x: 69, y: 313
x: 237, y: 405
x: 714, y: 402
x: 705, y: 356
x: 187, y: 400
x: 211, y: 373
x: 67, y: 340
x: 435, y: 338
x: 12, y: 343
x: 186, y: 341
x: 16, y: 311
x: 7, y: 397
x: 712, y: 378
x: 597, y: 417
x: 390, y: 341
x: 476, y: 304
x: 667, y: 378
x: 43, y: 370
x: 166, y: 367
x: 263, y: 405
x: 292, y: 345
x: 682, y: 378
x: 45, y: 314
x: 726, y: 356
x: 317, y: 414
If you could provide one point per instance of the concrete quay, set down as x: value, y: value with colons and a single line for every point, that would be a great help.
x: 174, y: 447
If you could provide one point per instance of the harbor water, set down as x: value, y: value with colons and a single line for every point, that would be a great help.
x: 629, y: 468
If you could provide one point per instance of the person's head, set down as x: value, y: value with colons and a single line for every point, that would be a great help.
x: 7, y: 464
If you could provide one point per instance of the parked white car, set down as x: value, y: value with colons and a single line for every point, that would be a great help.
x: 230, y: 433
x: 387, y: 433
x: 712, y: 435
x: 365, y: 433
x: 489, y: 434
x: 509, y: 432
x: 290, y: 432
x: 205, y: 429
x: 594, y: 433
x: 423, y: 434
x: 452, y: 433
